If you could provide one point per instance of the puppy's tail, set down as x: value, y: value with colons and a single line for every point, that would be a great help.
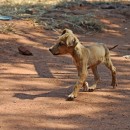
x: 112, y: 47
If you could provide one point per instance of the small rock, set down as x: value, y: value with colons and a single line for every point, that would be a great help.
x: 24, y: 51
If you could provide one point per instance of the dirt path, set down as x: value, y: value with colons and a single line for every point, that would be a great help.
x: 33, y: 89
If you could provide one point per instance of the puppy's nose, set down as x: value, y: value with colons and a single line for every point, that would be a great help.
x: 50, y: 49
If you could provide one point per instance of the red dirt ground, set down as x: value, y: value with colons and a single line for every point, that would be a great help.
x: 33, y: 89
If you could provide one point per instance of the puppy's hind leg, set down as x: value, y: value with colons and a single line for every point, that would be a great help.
x: 110, y: 66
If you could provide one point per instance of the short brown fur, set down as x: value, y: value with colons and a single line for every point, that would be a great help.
x: 85, y: 58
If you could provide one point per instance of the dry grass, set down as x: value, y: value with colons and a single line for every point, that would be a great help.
x: 78, y: 23
x: 18, y: 10
x: 7, y: 28
x: 18, y: 7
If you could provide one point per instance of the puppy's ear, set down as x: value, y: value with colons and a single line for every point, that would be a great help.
x: 66, y: 31
x: 71, y: 41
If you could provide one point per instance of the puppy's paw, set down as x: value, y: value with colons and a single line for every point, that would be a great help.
x: 90, y: 90
x: 70, y: 97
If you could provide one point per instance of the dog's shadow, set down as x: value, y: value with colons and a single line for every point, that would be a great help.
x: 58, y: 93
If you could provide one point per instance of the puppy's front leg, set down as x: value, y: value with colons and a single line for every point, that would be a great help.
x: 78, y: 85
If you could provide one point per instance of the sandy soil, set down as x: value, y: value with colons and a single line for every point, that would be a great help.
x: 33, y: 89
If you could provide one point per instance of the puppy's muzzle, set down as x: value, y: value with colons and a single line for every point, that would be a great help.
x: 50, y: 49
x: 53, y: 52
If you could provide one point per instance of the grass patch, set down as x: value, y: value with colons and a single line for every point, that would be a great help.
x: 42, y: 14
x: 7, y: 28
x: 78, y: 23
x: 93, y: 25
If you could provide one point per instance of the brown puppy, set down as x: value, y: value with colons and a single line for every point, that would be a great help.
x: 85, y: 58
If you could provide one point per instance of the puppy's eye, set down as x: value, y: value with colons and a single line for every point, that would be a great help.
x: 61, y: 43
